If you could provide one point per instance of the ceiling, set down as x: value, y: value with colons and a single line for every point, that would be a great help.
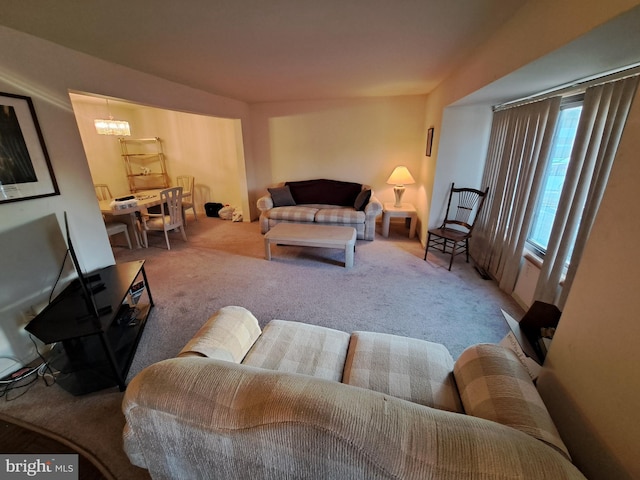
x: 273, y: 50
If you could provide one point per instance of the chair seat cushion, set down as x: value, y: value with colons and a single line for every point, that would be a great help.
x: 340, y: 215
x: 300, y: 348
x: 116, y: 227
x: 156, y: 223
x: 407, y: 368
x: 293, y: 213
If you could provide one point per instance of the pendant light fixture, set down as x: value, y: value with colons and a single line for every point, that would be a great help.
x: 110, y: 126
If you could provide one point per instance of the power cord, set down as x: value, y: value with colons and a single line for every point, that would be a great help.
x: 23, y: 379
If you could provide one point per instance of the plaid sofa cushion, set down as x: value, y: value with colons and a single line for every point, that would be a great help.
x: 494, y: 385
x: 293, y: 213
x: 227, y: 335
x: 339, y: 215
x: 407, y: 368
x: 300, y: 348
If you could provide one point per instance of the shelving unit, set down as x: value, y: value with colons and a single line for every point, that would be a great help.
x: 145, y: 163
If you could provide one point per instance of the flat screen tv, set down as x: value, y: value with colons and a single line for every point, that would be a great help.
x: 89, y: 284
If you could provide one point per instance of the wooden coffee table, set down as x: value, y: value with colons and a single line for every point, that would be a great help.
x: 311, y: 235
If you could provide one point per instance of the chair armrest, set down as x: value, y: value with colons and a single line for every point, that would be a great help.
x: 506, y: 395
x: 227, y: 335
x: 373, y: 208
x: 265, y: 203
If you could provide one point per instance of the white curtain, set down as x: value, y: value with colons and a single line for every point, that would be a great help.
x: 518, y: 151
x: 601, y: 124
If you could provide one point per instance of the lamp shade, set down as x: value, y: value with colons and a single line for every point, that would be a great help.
x: 400, y: 176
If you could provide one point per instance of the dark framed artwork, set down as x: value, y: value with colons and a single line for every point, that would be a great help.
x: 25, y: 168
x: 429, y: 141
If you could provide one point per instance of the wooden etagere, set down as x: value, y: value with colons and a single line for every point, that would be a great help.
x: 145, y: 163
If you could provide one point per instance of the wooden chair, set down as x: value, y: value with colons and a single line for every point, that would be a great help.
x: 113, y: 228
x: 170, y: 216
x: 102, y: 191
x: 186, y: 182
x: 463, y: 209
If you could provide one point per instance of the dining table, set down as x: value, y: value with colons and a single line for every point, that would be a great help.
x: 129, y: 215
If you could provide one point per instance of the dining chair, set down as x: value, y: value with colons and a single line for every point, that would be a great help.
x: 113, y: 228
x: 186, y: 182
x: 102, y: 191
x: 463, y: 209
x: 170, y: 216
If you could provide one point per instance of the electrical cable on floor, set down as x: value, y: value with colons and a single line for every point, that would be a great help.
x: 44, y: 366
x: 26, y: 377
x: 17, y: 382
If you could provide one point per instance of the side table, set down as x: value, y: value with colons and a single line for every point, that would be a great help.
x: 406, y: 210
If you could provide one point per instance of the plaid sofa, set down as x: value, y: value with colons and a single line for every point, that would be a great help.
x: 302, y: 401
x: 321, y: 201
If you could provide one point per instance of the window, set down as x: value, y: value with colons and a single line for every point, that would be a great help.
x: 554, y: 176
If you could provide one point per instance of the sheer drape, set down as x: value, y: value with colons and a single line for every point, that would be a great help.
x: 518, y: 150
x: 601, y: 124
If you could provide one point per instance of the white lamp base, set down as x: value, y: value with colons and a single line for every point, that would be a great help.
x: 398, y: 190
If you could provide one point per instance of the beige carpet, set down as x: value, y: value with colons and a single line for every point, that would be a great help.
x: 390, y: 289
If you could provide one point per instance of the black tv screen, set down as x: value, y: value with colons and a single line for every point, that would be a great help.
x: 86, y: 282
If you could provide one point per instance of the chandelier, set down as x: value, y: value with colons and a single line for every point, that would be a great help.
x: 109, y: 126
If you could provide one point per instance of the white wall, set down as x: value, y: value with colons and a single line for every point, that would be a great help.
x: 46, y: 73
x: 461, y: 153
x: 590, y: 379
x: 353, y: 140
x: 32, y: 254
x: 198, y: 145
x: 537, y: 30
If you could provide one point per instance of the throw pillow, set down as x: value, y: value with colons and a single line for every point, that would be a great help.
x: 281, y: 196
x: 494, y: 385
x: 326, y: 192
x: 362, y: 199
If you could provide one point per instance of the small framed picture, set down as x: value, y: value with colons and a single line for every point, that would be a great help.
x: 429, y: 141
x: 25, y: 168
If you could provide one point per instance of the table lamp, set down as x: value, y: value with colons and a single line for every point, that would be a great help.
x: 400, y: 177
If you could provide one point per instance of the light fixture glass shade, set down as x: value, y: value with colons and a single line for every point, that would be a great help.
x: 400, y: 176
x: 112, y: 127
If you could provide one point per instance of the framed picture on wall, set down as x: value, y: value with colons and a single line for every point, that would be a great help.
x: 25, y: 168
x: 429, y: 141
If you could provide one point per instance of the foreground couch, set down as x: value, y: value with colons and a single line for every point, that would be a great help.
x: 325, y: 202
x: 302, y: 401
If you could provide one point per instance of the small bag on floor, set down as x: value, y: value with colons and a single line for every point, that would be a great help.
x: 212, y: 209
x: 226, y: 212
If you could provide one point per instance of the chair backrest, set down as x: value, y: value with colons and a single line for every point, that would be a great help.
x: 186, y: 182
x: 464, y: 206
x: 171, y: 206
x: 102, y: 191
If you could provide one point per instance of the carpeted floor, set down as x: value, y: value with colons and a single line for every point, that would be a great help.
x: 390, y: 289
x: 22, y: 438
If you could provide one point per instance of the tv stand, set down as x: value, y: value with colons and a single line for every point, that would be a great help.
x: 92, y: 353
